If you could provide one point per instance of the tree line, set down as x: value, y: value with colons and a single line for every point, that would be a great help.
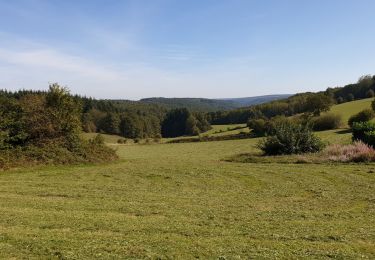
x: 129, y: 119
x: 137, y: 119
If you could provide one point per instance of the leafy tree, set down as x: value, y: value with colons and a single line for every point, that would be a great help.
x: 201, y: 122
x: 191, y: 126
x: 38, y: 118
x: 174, y: 123
x: 318, y: 103
x: 131, y: 126
x: 180, y: 121
x: 370, y: 93
x: 350, y: 97
x: 65, y: 114
x: 110, y: 124
x: 340, y: 100
x: 12, y: 127
x: 257, y: 126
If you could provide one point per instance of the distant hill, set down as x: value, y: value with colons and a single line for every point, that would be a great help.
x: 249, y: 101
x: 210, y: 105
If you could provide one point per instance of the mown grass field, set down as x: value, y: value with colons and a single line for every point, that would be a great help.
x: 183, y: 201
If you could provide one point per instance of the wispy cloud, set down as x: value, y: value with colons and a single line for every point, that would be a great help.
x: 51, y: 59
x: 29, y: 64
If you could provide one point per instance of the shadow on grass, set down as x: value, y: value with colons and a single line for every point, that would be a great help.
x: 259, y: 158
x: 308, y: 158
x: 343, y: 131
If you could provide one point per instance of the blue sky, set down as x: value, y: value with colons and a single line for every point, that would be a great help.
x: 174, y: 48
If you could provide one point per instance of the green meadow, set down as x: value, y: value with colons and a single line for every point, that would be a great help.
x: 350, y: 108
x: 185, y: 201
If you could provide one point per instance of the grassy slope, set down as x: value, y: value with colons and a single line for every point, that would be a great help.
x: 182, y: 201
x: 350, y: 108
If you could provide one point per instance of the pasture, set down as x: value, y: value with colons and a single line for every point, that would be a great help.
x: 350, y: 108
x: 185, y: 201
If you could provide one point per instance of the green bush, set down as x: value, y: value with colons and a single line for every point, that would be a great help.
x: 46, y: 129
x: 263, y: 127
x: 363, y: 116
x: 257, y: 126
x: 327, y: 121
x: 290, y: 138
x: 364, y: 131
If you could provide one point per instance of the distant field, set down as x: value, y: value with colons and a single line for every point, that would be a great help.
x: 218, y: 130
x: 350, y: 108
x: 110, y: 139
x: 183, y: 201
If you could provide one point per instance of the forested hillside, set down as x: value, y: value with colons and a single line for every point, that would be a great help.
x: 299, y: 103
x: 249, y: 101
x: 211, y: 105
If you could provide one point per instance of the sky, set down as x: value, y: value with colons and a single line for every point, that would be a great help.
x: 197, y: 48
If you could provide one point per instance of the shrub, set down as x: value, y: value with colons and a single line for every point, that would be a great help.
x: 363, y: 116
x: 350, y: 97
x: 356, y: 152
x: 137, y: 140
x: 290, y: 138
x: 326, y: 122
x: 97, y: 140
x: 54, y: 152
x: 257, y: 126
x: 364, y: 131
x: 46, y: 129
x: 276, y: 121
